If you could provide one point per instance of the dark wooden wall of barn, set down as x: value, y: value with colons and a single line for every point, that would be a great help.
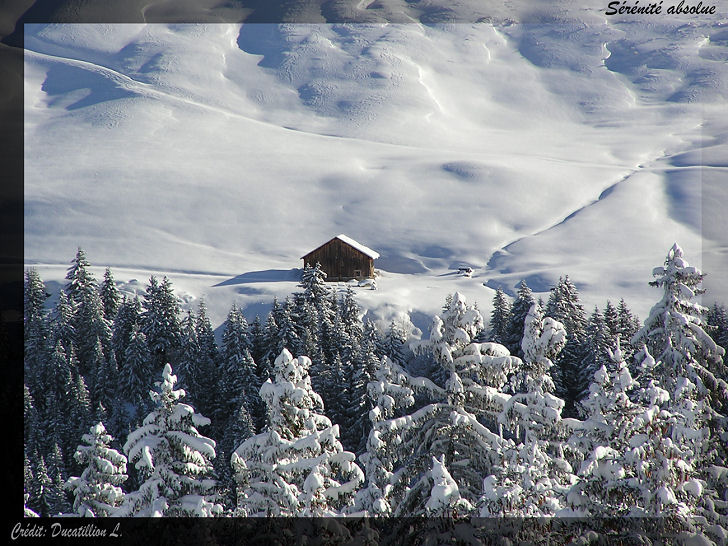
x: 341, y: 261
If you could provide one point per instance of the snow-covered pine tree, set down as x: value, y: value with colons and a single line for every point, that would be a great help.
x: 257, y: 337
x: 629, y: 323
x: 500, y: 318
x: 313, y: 282
x: 297, y: 465
x: 693, y: 373
x: 395, y: 343
x: 239, y: 381
x: 598, y: 340
x: 313, y: 303
x: 80, y: 280
x: 238, y: 428
x: 62, y: 322
x: 160, y: 322
x: 189, y: 355
x: 521, y: 305
x: 536, y: 475
x: 77, y: 413
x: 104, y: 380
x: 208, y: 379
x: 89, y: 323
x: 35, y: 326
x: 663, y: 458
x: 51, y: 400
x: 128, y: 315
x: 675, y: 336
x: 50, y: 499
x: 525, y: 484
x: 135, y: 374
x: 110, y: 297
x: 359, y: 403
x: 269, y: 340
x: 459, y: 326
x: 610, y: 442
x: 564, y: 306
x: 32, y: 432
x: 97, y: 491
x: 374, y: 337
x: 350, y: 313
x: 402, y: 442
x: 611, y: 322
x: 173, y: 457
x: 305, y: 317
x: 286, y: 334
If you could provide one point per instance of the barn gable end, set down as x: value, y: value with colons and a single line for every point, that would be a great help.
x: 342, y: 259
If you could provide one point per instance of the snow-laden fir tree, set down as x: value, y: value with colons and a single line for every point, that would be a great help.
x: 350, y: 313
x: 402, y: 442
x: 173, y: 458
x: 692, y: 371
x: 160, y: 322
x: 134, y: 375
x: 110, y: 297
x: 49, y: 498
x: 52, y: 401
x: 80, y: 280
x: 89, y: 324
x: 97, y: 491
x: 239, y: 381
x: 458, y: 327
x: 500, y: 318
x: 570, y: 380
x: 208, y: 396
x: 674, y: 333
x: 62, y: 322
x: 521, y: 305
x: 31, y: 424
x: 359, y: 403
x: 127, y: 316
x: 610, y: 317
x: 395, y: 343
x: 598, y: 340
x: 535, y: 475
x: 296, y: 466
x: 188, y: 371
x: 663, y: 456
x: 313, y: 282
x: 35, y: 327
x: 239, y: 427
x: 628, y: 325
x: 606, y: 442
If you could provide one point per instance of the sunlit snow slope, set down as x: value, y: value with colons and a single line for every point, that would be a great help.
x: 223, y: 153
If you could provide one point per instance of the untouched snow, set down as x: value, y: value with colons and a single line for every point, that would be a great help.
x: 218, y: 154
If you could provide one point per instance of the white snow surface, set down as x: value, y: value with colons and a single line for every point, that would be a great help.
x: 218, y: 154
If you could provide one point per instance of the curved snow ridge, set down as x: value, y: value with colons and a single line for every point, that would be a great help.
x: 504, y: 251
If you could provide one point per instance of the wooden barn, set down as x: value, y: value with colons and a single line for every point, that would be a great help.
x: 343, y: 259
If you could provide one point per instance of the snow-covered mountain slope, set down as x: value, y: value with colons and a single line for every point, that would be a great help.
x: 219, y: 154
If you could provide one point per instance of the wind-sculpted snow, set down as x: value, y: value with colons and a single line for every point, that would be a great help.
x: 561, y: 142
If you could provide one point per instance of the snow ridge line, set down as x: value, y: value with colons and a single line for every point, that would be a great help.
x: 490, y: 264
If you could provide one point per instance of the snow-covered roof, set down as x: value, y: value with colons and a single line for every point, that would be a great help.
x: 351, y: 242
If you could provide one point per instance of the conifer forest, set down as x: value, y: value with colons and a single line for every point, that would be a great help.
x: 541, y: 408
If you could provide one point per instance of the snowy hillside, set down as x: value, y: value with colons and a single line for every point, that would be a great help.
x: 220, y: 154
